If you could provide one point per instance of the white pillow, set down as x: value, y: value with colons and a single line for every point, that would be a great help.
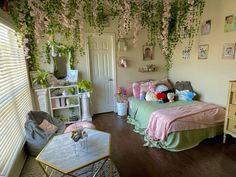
x: 161, y: 88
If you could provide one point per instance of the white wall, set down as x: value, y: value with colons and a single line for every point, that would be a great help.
x: 209, y: 77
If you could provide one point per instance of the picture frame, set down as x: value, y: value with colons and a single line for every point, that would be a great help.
x: 72, y: 75
x: 228, y: 51
x: 230, y: 23
x: 122, y: 62
x: 148, y: 52
x: 206, y: 27
x: 203, y: 51
x: 186, y: 53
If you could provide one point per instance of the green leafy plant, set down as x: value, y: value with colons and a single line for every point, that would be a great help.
x: 85, y: 86
x: 71, y: 90
x: 41, y: 78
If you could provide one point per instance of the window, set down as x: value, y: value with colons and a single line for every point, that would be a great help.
x: 15, y: 97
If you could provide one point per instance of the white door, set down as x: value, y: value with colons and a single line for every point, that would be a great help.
x: 102, y: 68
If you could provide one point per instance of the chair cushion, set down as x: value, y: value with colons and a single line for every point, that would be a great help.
x: 48, y: 127
x: 75, y: 126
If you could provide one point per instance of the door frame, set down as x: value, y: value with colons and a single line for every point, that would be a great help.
x: 88, y: 61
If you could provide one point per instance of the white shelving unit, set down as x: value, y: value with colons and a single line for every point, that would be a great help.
x: 65, y: 103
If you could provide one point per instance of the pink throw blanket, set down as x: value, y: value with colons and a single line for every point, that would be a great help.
x: 193, y: 116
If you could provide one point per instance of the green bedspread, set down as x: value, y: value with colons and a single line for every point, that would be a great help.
x: 140, y: 112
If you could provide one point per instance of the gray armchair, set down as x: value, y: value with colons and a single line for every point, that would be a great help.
x: 37, y: 138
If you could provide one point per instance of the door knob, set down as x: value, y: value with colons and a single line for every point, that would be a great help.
x: 110, y: 79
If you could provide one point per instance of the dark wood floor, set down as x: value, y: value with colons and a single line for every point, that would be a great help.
x: 210, y: 159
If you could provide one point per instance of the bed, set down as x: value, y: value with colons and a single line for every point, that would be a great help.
x: 140, y: 113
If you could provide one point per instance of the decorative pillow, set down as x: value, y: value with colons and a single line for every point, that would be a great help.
x: 144, y: 87
x: 48, y: 127
x: 136, y: 90
x: 183, y: 85
x: 185, y: 95
x: 161, y: 88
x: 150, y: 96
x: 180, y: 94
x: 165, y: 82
x: 129, y: 90
x: 142, y: 95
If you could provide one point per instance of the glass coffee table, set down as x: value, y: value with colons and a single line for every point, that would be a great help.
x: 66, y: 156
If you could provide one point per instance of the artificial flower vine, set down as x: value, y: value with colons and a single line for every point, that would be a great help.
x: 164, y: 20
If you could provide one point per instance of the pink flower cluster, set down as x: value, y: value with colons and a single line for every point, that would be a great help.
x: 121, y: 95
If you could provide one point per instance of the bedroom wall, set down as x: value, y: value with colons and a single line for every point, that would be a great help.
x: 134, y: 56
x: 209, y: 77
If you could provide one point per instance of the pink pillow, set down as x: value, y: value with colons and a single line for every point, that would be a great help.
x: 129, y: 90
x: 151, y: 87
x: 48, y: 127
x: 136, y: 90
x: 144, y: 87
x: 79, y: 124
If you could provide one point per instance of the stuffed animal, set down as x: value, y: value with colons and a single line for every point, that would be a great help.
x: 78, y: 134
x: 151, y: 87
x: 150, y: 96
x: 171, y: 97
x: 161, y: 97
x: 161, y: 88
x: 188, y: 96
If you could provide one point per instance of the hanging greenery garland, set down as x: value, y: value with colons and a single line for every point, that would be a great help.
x: 165, y: 20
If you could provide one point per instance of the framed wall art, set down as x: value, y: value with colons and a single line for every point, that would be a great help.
x: 230, y: 23
x: 206, y: 27
x: 148, y: 52
x: 186, y: 53
x: 228, y: 51
x: 203, y: 51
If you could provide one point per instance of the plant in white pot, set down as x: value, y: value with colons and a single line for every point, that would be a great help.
x: 85, y: 88
x: 41, y: 79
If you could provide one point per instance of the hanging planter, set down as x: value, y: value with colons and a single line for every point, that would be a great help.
x: 54, y: 49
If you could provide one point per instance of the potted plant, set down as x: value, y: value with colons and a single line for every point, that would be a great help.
x: 41, y: 78
x: 85, y: 88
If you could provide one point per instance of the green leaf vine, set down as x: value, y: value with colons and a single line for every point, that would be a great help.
x: 165, y: 21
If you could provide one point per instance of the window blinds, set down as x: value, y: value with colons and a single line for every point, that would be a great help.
x: 15, y: 98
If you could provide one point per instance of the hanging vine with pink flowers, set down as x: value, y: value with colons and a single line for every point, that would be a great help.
x: 165, y: 21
